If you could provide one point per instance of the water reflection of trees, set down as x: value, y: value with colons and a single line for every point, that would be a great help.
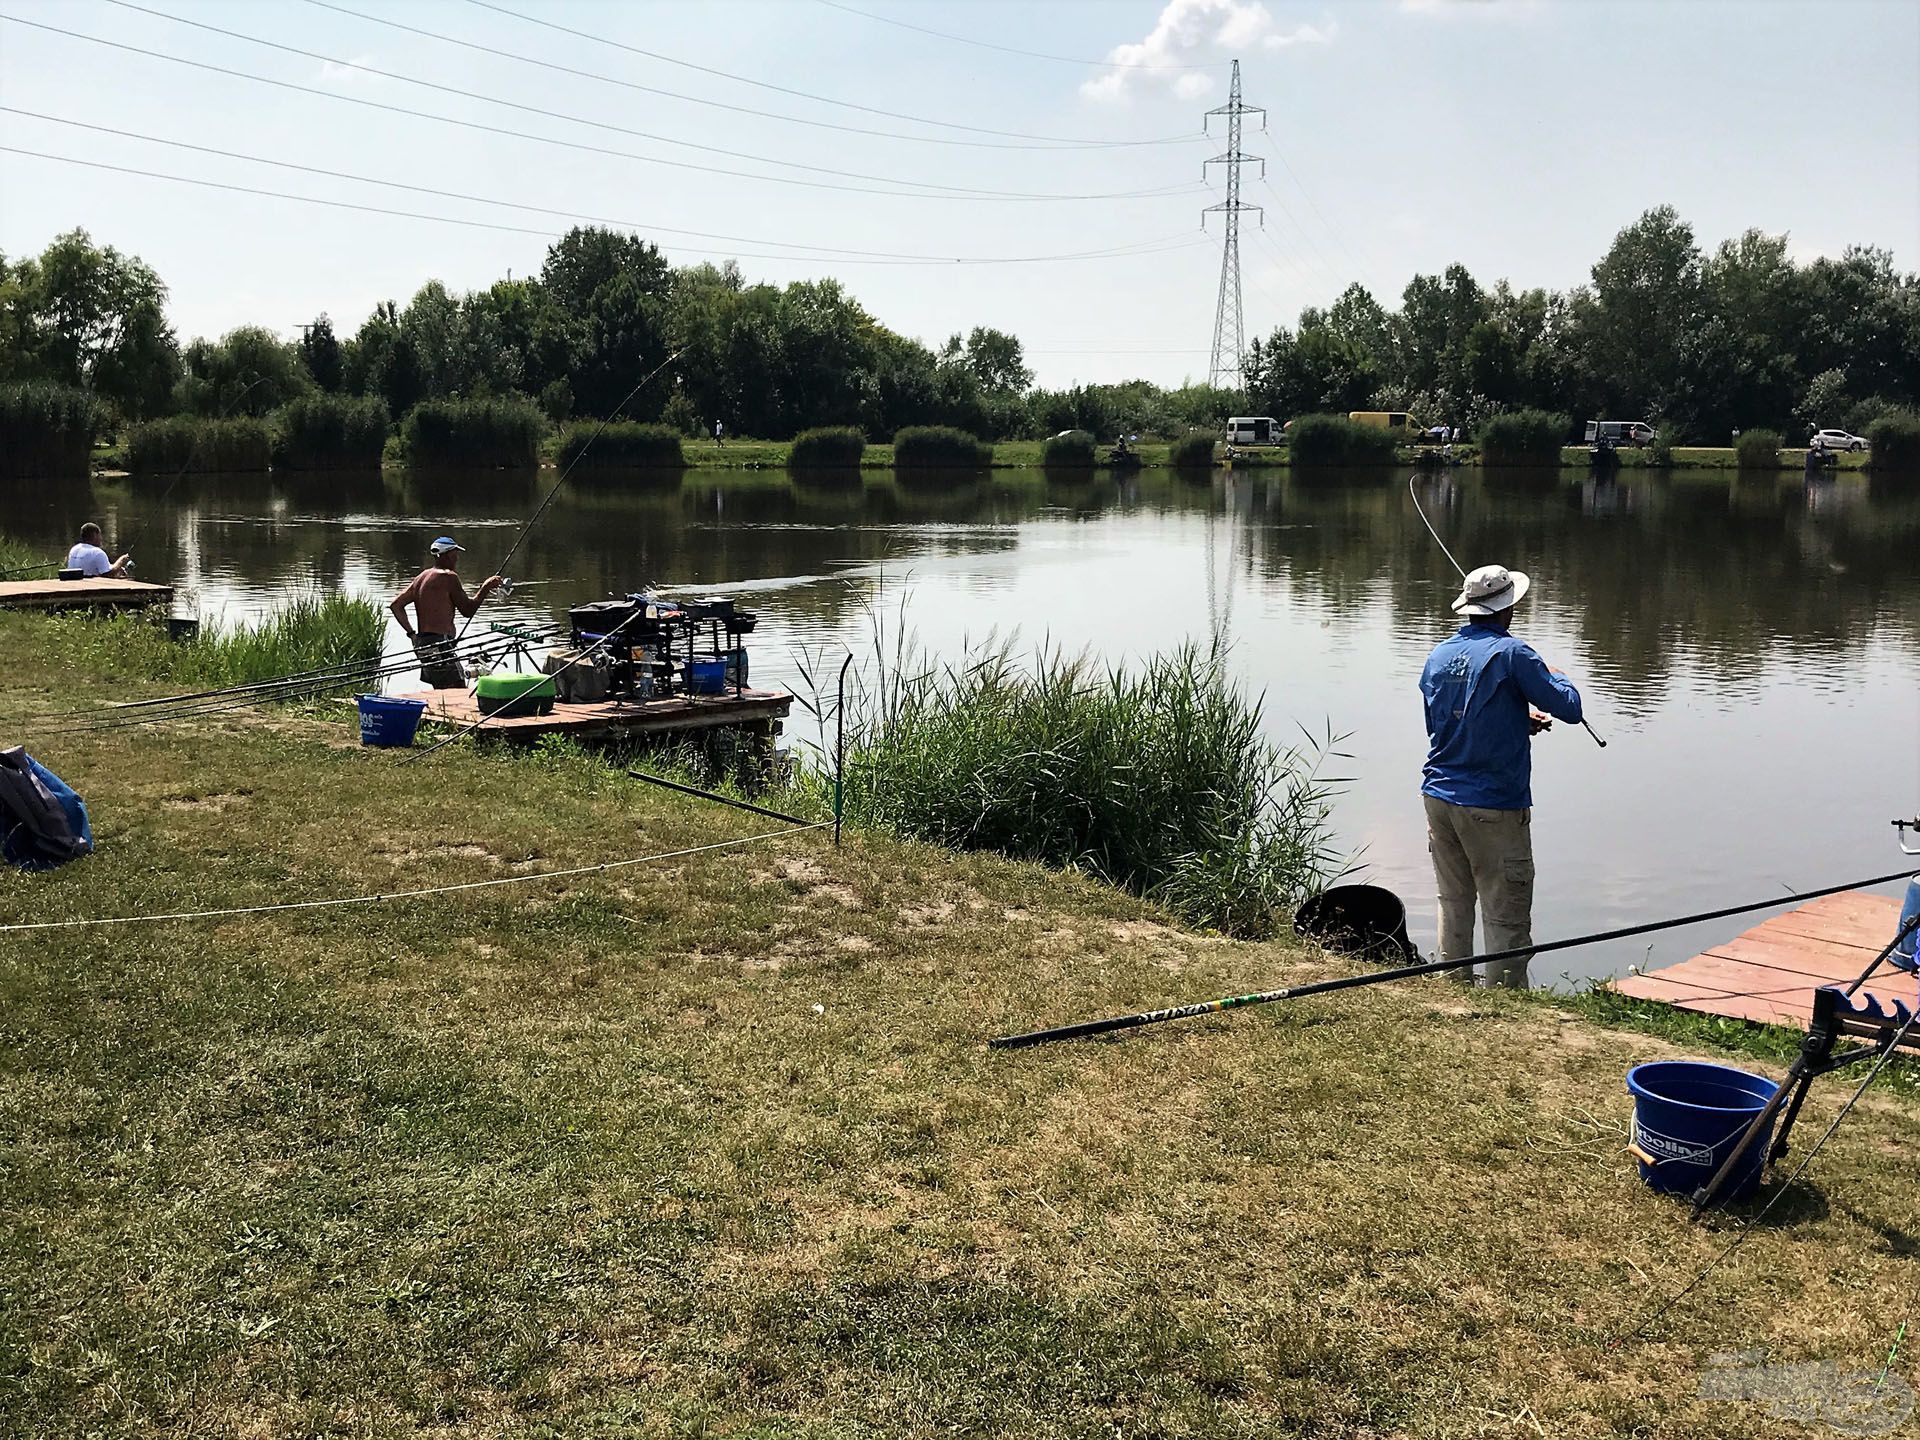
x: 1648, y: 570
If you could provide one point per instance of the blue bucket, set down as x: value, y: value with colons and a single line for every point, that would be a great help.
x: 1903, y: 953
x: 707, y: 677
x: 1688, y: 1115
x: 389, y: 722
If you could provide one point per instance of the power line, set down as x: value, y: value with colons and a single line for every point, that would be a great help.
x: 484, y: 128
x: 960, y: 191
x: 764, y: 84
x: 1011, y: 50
x: 490, y: 224
x: 827, y: 252
x: 783, y: 118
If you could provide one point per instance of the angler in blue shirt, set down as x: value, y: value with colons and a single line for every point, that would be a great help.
x: 1484, y: 690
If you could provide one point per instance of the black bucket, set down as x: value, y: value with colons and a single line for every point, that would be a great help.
x: 1362, y: 920
x: 183, y: 629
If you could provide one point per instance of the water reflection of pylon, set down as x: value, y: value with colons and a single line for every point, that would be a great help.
x: 1219, y: 604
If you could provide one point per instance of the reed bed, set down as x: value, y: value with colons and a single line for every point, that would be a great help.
x: 939, y: 447
x: 1192, y: 452
x: 46, y: 430
x: 1071, y: 450
x: 1157, y: 779
x: 1523, y: 437
x: 1758, y: 450
x: 331, y: 432
x: 502, y: 433
x: 307, y: 633
x: 830, y: 447
x: 195, y: 443
x: 1336, y: 440
x: 623, y: 444
x: 1894, y: 442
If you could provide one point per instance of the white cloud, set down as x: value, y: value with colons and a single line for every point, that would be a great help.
x: 1193, y: 32
x: 1474, y: 9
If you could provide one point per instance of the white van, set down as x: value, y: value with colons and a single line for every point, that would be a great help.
x: 1619, y: 432
x: 1253, y: 430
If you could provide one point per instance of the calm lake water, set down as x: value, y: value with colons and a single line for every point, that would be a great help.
x: 1750, y: 649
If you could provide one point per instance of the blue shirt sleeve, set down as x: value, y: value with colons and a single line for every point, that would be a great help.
x: 1552, y: 693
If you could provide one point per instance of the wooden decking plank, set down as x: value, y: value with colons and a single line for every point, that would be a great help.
x: 61, y: 594
x: 1768, y: 974
x: 606, y: 717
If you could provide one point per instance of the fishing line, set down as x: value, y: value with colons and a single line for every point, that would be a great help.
x: 1415, y: 497
x: 339, y: 900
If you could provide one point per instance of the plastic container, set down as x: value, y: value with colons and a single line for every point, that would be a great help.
x: 389, y: 722
x: 508, y: 696
x: 706, y: 677
x: 1903, y: 953
x: 1688, y: 1116
x: 1363, y: 920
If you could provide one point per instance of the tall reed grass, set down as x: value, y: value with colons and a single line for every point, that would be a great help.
x: 1158, y: 779
x: 830, y: 447
x: 331, y: 432
x: 1523, y: 437
x: 621, y: 445
x: 307, y: 633
x: 1758, y: 450
x: 1336, y: 440
x: 16, y: 555
x: 498, y: 433
x: 1192, y: 452
x: 199, y: 444
x: 1072, y: 450
x: 46, y: 430
x: 939, y: 447
x: 1894, y: 443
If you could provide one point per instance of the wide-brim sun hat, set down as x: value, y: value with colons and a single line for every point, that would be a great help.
x: 1491, y: 589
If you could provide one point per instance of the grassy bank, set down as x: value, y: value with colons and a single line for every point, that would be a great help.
x: 714, y: 1145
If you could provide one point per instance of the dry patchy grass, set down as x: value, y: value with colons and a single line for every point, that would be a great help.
x: 715, y: 1146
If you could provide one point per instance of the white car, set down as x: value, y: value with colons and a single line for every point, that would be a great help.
x: 1835, y: 440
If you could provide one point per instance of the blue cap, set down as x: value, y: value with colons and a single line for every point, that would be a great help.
x: 442, y: 545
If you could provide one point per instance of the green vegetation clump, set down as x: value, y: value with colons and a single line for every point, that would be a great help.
x: 830, y: 447
x: 1758, y: 450
x: 932, y: 447
x: 1192, y: 452
x: 1894, y: 442
x: 311, y: 632
x: 46, y: 430
x: 331, y: 432
x: 16, y: 557
x: 1336, y: 440
x: 191, y: 442
x: 620, y: 445
x: 1156, y: 780
x: 1523, y: 437
x: 1071, y: 450
x: 496, y: 433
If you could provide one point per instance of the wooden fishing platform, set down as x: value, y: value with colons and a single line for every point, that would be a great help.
x: 1769, y: 973
x: 758, y: 710
x: 104, y: 593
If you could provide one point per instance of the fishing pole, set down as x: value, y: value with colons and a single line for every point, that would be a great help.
x: 579, y: 455
x: 1415, y: 497
x: 1085, y: 1028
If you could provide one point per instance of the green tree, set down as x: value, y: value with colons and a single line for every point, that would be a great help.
x: 1646, y: 301
x: 321, y: 355
x: 247, y: 371
x: 86, y: 315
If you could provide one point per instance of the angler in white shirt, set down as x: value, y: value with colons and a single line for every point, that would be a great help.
x: 90, y: 560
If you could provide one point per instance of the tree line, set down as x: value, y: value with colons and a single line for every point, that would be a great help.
x: 1702, y: 343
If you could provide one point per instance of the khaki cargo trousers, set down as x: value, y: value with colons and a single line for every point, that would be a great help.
x: 1483, y: 855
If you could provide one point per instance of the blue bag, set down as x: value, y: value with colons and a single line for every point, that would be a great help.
x: 43, y: 823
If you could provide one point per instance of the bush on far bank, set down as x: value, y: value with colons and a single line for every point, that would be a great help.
x: 494, y: 433
x: 330, y: 432
x: 1072, y: 450
x: 829, y: 447
x: 1336, y: 440
x: 1893, y: 442
x: 46, y: 429
x: 183, y: 443
x: 1523, y: 437
x: 1192, y: 452
x: 1758, y: 450
x: 928, y: 447
x: 623, y: 444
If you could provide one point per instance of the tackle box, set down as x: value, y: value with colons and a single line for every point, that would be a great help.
x: 511, y: 695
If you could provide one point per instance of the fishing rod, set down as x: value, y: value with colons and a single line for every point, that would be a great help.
x: 107, y: 720
x: 1415, y: 497
x: 580, y: 455
x: 1085, y: 1028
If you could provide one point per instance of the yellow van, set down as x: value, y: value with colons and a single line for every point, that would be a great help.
x: 1397, y: 421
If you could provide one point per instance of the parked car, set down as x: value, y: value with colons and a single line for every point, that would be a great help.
x: 1619, y: 432
x: 1835, y: 440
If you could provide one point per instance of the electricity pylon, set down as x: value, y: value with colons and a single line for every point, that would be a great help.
x: 1228, y: 330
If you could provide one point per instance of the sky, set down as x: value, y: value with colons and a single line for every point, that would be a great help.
x: 899, y: 146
